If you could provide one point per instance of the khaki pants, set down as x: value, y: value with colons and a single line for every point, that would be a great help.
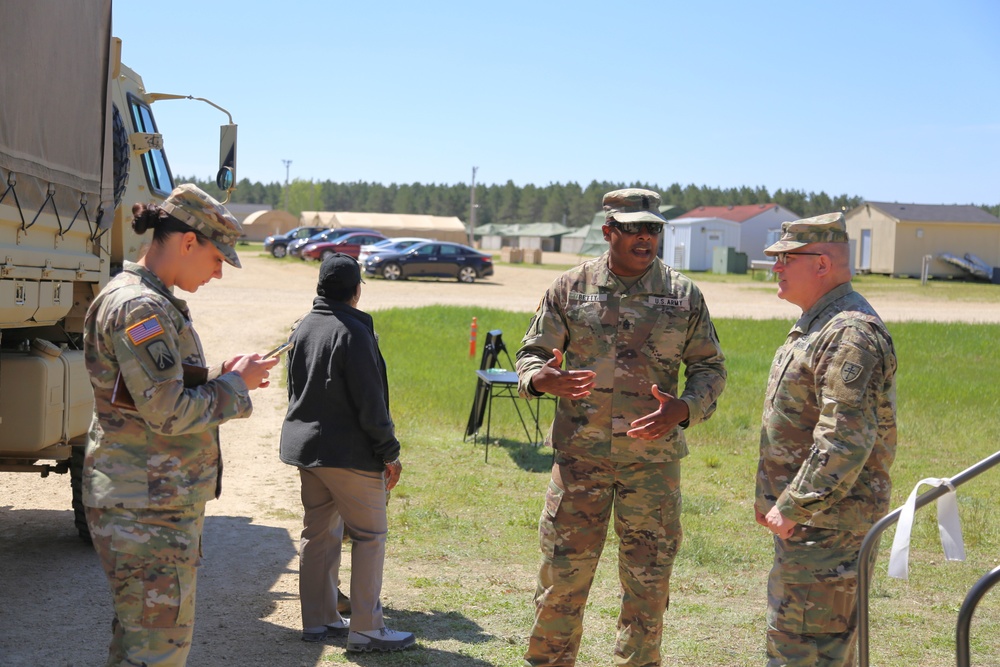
x: 646, y: 501
x: 335, y: 498
x: 150, y: 557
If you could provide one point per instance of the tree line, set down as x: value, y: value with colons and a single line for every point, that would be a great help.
x: 567, y: 203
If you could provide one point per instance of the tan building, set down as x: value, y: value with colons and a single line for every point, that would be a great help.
x: 441, y: 228
x: 893, y: 239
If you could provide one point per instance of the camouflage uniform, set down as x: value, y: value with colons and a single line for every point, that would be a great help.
x: 148, y: 471
x: 827, y: 441
x: 632, y: 337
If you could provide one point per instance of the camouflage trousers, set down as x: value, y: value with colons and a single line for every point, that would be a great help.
x: 582, y: 493
x: 150, y: 557
x: 812, y: 599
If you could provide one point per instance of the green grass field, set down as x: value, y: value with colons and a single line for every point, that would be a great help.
x: 463, y: 533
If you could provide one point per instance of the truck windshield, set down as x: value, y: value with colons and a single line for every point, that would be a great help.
x: 154, y: 162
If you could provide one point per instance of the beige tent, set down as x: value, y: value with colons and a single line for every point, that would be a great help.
x: 261, y: 224
x: 318, y: 219
x: 438, y: 227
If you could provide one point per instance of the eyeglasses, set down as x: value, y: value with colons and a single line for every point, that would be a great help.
x: 653, y: 228
x: 782, y: 257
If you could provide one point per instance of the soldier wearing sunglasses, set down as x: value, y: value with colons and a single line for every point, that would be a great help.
x: 609, y: 339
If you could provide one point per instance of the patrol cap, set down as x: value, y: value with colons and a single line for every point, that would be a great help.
x: 338, y: 272
x: 632, y: 205
x: 826, y: 228
x: 199, y: 211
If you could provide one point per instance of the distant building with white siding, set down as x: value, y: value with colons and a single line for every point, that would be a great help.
x: 758, y: 224
x: 688, y: 243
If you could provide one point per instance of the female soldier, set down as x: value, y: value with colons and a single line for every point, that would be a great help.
x: 152, y: 458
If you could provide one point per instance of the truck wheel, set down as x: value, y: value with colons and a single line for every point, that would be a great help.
x: 76, y: 482
x: 120, y: 153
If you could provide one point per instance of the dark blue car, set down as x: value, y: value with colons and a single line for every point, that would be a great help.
x: 436, y: 259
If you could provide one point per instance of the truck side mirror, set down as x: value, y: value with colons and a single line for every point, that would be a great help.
x: 226, y: 178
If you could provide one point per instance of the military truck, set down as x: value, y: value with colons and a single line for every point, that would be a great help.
x: 78, y: 146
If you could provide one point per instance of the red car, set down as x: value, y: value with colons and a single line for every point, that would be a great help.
x: 349, y: 244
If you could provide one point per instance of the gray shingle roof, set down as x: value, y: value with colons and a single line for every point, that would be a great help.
x: 935, y: 212
x: 546, y: 229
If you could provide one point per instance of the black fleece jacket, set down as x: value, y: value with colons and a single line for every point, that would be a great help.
x: 338, y: 395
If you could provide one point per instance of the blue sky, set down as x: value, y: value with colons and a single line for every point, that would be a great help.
x: 888, y: 100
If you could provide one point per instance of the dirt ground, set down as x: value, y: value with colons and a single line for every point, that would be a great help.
x: 54, y: 602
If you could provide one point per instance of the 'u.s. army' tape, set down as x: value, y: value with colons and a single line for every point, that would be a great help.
x: 948, y: 526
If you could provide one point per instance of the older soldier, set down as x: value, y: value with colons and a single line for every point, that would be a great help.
x: 623, y: 323
x: 827, y: 442
x: 152, y: 458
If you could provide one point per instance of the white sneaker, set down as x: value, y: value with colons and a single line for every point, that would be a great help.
x: 338, y: 629
x: 382, y: 639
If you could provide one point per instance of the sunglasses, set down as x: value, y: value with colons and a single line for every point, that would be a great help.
x: 653, y: 228
x: 782, y: 257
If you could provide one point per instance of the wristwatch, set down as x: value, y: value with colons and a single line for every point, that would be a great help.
x: 392, y: 462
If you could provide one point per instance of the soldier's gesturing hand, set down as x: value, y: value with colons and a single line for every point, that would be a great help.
x: 552, y: 379
x: 672, y: 411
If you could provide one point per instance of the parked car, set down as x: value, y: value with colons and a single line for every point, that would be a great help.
x: 295, y: 248
x: 277, y: 244
x: 349, y: 244
x: 390, y: 244
x: 434, y: 259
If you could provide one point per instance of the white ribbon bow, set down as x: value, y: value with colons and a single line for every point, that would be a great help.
x: 948, y: 526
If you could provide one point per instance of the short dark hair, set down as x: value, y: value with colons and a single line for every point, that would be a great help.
x: 342, y: 294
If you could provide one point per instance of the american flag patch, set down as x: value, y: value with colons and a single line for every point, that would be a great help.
x: 148, y: 328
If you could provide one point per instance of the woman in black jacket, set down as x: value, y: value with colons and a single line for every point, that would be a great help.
x: 339, y: 433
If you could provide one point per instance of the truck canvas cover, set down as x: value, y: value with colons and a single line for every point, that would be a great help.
x: 54, y: 72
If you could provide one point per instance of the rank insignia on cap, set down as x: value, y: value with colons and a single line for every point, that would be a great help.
x: 148, y: 328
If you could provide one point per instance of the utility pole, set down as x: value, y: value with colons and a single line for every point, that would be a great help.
x: 287, y: 163
x: 472, y: 206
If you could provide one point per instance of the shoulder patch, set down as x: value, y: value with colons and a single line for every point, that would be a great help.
x: 143, y: 331
x: 160, y: 355
x: 850, y: 372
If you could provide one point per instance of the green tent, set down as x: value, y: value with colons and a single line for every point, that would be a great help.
x: 594, y: 243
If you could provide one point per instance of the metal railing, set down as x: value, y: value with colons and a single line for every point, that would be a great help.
x: 976, y: 593
x: 872, y: 538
